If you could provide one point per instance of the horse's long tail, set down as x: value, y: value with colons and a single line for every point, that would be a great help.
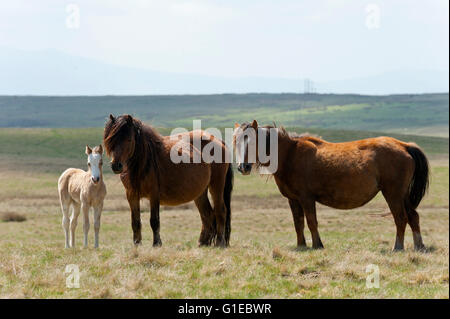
x: 227, y: 200
x: 420, y: 181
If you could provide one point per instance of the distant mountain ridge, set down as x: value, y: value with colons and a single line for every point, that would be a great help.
x: 51, y: 72
x: 424, y: 114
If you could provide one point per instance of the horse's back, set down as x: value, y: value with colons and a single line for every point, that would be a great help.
x: 347, y: 175
x: 67, y: 180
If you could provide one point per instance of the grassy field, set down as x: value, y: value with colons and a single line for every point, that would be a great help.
x: 262, y: 261
x: 423, y: 114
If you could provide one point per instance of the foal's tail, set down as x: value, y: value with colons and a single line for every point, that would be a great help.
x: 227, y: 200
x: 420, y: 181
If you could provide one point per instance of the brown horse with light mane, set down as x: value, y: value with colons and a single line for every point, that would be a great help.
x: 345, y: 176
x: 142, y: 157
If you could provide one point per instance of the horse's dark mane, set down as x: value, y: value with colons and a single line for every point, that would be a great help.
x: 282, y: 132
x: 147, y: 146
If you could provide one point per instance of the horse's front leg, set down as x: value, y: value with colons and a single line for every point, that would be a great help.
x: 133, y: 201
x: 299, y: 222
x: 154, y: 222
x: 309, y: 208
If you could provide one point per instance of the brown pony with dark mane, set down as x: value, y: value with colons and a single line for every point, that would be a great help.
x: 142, y: 157
x: 345, y: 176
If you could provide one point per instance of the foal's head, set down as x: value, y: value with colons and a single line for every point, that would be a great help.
x: 119, y: 140
x: 244, y: 139
x: 95, y: 162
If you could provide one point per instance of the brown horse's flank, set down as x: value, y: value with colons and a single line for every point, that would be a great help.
x: 348, y: 175
x: 142, y: 158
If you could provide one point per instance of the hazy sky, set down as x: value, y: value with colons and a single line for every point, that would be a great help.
x: 324, y: 40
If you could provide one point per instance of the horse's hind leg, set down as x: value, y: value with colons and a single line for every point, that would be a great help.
x: 397, y: 207
x: 154, y: 222
x: 208, y: 221
x: 413, y: 221
x: 73, y: 222
x: 309, y: 208
x: 219, y: 213
x: 65, y: 206
x: 299, y: 222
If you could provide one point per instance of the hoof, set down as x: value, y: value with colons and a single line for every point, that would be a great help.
x: 420, y: 248
x: 318, y: 246
x: 221, y: 245
x: 157, y: 244
x: 203, y: 244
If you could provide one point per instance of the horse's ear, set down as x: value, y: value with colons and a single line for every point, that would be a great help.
x: 88, y: 150
x: 129, y: 119
x: 112, y: 118
x: 100, y: 149
x: 236, y: 125
x: 255, y: 124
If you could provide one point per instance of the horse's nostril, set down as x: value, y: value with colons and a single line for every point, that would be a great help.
x: 116, y: 166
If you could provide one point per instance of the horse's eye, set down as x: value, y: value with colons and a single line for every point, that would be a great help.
x: 89, y: 164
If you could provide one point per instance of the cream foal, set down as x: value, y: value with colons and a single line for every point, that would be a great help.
x: 82, y: 190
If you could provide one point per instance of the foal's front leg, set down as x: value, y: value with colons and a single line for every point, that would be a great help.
x: 154, y: 222
x: 85, y: 209
x: 97, y: 216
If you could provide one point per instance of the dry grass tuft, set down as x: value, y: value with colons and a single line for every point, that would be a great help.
x: 12, y: 217
x: 276, y: 253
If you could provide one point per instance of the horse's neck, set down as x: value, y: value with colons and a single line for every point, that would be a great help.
x: 284, y: 144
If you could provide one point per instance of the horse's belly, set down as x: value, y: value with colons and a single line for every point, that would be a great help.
x: 348, y: 195
x: 345, y: 202
x: 189, y: 183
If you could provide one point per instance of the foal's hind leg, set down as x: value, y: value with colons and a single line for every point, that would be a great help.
x: 309, y: 208
x: 413, y: 221
x: 299, y: 222
x: 65, y: 206
x: 73, y: 222
x: 397, y: 208
x: 206, y: 213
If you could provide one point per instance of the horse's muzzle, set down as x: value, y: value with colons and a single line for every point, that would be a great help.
x: 116, y: 167
x: 245, y: 168
x: 95, y: 180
